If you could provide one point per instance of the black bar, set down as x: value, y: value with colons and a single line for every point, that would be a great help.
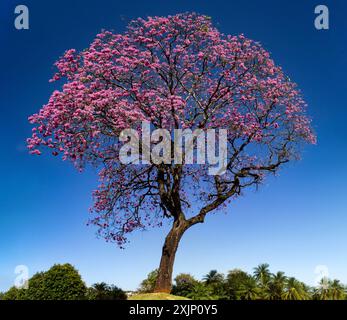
x: 212, y: 310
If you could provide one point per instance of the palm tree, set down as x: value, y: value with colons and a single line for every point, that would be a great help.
x: 337, y: 291
x: 249, y: 289
x: 308, y: 291
x: 213, y: 277
x: 294, y: 290
x: 323, y: 290
x: 100, y: 287
x: 275, y: 287
x: 262, y: 274
x: 201, y: 291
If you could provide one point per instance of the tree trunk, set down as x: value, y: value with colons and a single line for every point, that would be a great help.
x: 164, y: 280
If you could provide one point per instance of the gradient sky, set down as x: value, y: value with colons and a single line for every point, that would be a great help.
x: 295, y: 222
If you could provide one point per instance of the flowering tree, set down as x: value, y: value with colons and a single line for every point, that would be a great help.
x: 176, y: 72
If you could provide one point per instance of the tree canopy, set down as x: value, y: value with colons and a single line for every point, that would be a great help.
x: 176, y: 72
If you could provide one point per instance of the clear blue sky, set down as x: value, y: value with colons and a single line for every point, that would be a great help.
x: 294, y: 222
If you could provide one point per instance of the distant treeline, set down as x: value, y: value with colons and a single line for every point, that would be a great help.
x: 240, y: 285
x: 63, y: 282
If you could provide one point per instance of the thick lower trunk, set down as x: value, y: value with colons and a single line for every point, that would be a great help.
x: 164, y: 282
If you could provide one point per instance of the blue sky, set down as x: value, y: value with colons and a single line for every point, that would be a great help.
x: 295, y: 222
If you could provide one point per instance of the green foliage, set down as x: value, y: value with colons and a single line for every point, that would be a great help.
x: 249, y: 290
x: 61, y: 282
x: 201, y: 291
x: 103, y: 291
x: 337, y: 290
x: 295, y: 290
x: 184, y: 283
x: 239, y: 285
x: 14, y: 294
x: 234, y: 283
x: 330, y: 290
x: 262, y: 274
x: 216, y: 282
x: 213, y: 277
x: 275, y: 288
x: 37, y: 287
x: 148, y: 284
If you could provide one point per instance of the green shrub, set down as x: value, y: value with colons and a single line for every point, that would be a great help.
x: 63, y: 282
x: 36, y: 288
x: 184, y: 284
x: 103, y: 291
x: 235, y: 283
x: 14, y: 294
x: 201, y: 291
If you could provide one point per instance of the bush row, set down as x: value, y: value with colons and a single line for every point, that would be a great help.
x: 63, y: 282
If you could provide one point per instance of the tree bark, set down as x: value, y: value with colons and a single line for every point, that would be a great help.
x: 164, y: 279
